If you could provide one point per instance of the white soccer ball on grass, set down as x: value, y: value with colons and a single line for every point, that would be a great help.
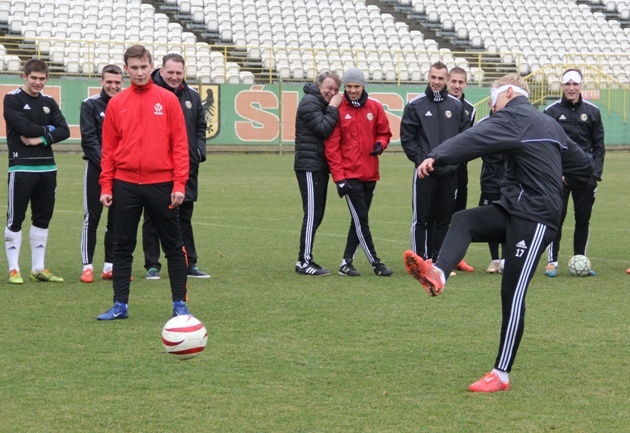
x: 579, y: 266
x: 184, y: 337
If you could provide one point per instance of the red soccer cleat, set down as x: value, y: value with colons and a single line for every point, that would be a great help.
x: 464, y: 267
x: 489, y: 383
x: 107, y: 275
x: 424, y: 272
x: 87, y: 276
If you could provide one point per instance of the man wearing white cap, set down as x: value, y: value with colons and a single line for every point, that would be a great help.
x: 361, y: 134
x: 582, y: 122
x: 525, y: 219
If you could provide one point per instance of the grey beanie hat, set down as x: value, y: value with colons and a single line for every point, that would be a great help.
x: 353, y: 75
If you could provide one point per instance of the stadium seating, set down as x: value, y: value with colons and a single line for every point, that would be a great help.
x: 291, y: 39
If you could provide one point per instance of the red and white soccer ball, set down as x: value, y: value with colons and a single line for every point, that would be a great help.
x: 579, y: 266
x: 184, y: 337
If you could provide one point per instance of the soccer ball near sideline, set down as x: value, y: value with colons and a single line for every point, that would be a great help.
x: 184, y: 337
x: 579, y: 266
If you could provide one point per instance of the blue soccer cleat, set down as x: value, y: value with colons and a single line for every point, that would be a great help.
x: 118, y: 311
x: 179, y: 309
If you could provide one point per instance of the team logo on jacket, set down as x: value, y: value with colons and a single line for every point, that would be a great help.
x: 448, y: 114
x: 158, y: 109
x: 188, y: 104
x: 370, y: 117
x: 583, y: 116
x: 47, y: 110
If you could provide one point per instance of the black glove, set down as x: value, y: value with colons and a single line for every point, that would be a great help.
x: 378, y: 149
x: 343, y: 188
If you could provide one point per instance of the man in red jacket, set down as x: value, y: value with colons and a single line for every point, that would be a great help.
x: 362, y: 133
x: 144, y: 167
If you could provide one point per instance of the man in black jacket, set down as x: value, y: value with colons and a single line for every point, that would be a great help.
x: 525, y: 219
x: 171, y: 77
x: 91, y: 120
x: 316, y: 118
x: 582, y: 122
x: 429, y: 119
x: 457, y: 82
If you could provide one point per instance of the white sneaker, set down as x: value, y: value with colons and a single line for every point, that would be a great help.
x: 494, y: 267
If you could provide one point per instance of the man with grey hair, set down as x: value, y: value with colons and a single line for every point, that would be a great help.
x: 525, y: 219
x: 316, y: 117
x: 171, y: 77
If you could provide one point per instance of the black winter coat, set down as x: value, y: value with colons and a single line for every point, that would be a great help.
x: 314, y: 122
x: 196, y: 126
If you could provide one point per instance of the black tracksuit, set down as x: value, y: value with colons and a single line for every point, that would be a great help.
x: 583, y: 124
x: 461, y: 198
x: 491, y: 180
x: 32, y: 169
x: 314, y: 122
x: 92, y: 115
x: 427, y: 121
x: 196, y: 125
x: 537, y: 154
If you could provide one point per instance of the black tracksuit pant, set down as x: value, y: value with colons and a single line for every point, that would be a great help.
x: 359, y: 200
x: 486, y: 199
x: 129, y: 200
x: 583, y: 201
x: 151, y: 239
x: 433, y: 204
x: 314, y: 190
x: 92, y: 210
x: 461, y: 197
x: 524, y: 241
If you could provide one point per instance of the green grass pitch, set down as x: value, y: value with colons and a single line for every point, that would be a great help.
x: 289, y: 353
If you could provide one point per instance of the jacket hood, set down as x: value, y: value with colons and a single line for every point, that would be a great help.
x: 312, y: 89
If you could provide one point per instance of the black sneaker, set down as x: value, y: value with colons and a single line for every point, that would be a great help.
x: 311, y: 269
x: 348, y: 270
x: 195, y: 272
x: 381, y: 269
x: 153, y: 274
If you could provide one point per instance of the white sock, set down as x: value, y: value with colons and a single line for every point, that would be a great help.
x: 554, y: 263
x: 504, y: 376
x: 12, y: 244
x: 39, y: 238
x: 441, y: 273
x: 86, y: 267
x: 107, y: 267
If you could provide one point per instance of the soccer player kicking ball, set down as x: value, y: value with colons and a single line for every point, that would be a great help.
x: 537, y: 154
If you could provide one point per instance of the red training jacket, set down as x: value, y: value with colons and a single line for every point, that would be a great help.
x: 144, y: 139
x: 348, y: 147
